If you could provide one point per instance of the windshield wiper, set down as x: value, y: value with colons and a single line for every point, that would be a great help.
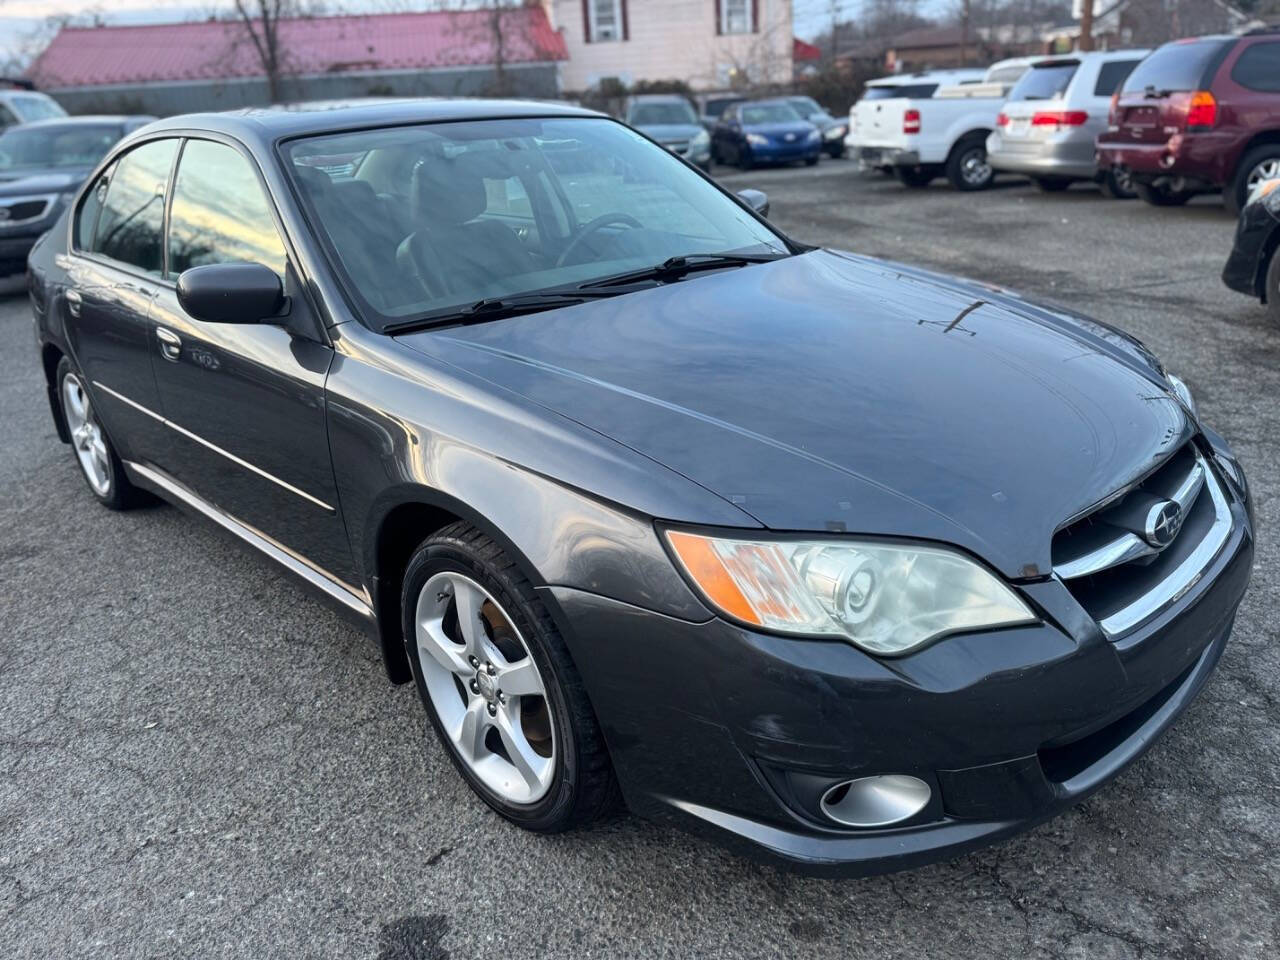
x: 1151, y: 93
x: 497, y: 308
x: 673, y: 268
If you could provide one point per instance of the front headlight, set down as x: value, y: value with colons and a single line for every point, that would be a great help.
x: 815, y: 134
x: 886, y: 598
x: 700, y: 139
x: 756, y: 140
x: 835, y: 133
x: 1184, y: 393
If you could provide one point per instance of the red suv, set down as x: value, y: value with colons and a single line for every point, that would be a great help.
x: 1197, y: 115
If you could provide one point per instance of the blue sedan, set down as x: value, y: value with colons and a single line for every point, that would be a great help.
x: 764, y: 131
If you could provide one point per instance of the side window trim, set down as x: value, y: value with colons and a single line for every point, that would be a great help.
x: 110, y: 166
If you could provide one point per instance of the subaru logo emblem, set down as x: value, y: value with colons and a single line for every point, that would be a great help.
x: 1164, y: 520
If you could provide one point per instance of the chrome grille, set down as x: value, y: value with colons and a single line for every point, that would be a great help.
x: 1135, y: 554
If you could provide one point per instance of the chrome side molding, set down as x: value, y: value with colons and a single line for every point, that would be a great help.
x: 358, y: 601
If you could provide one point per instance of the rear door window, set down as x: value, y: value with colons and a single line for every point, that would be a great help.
x: 1046, y: 81
x: 131, y: 223
x: 1111, y: 75
x: 1259, y: 68
x: 1177, y: 67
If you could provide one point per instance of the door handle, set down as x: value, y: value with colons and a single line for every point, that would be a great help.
x: 170, y: 344
x: 74, y: 300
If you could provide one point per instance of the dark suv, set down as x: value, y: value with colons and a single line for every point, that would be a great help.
x: 1197, y: 115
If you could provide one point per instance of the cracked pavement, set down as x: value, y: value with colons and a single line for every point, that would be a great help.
x: 198, y: 759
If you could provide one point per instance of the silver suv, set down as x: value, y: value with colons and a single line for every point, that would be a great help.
x: 24, y: 106
x: 1052, y: 115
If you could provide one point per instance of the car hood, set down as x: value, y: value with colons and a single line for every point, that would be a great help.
x: 828, y: 392
x: 24, y: 181
x: 671, y: 131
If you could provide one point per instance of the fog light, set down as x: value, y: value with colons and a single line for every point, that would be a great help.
x: 876, y: 801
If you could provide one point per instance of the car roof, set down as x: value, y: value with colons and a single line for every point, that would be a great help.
x: 658, y: 98
x: 927, y: 76
x: 264, y: 125
x: 86, y: 120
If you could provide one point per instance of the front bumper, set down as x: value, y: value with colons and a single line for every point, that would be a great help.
x: 1246, y: 267
x: 785, y: 152
x: 1056, y: 157
x: 722, y: 730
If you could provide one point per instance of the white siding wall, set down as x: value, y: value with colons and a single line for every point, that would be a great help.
x: 676, y: 40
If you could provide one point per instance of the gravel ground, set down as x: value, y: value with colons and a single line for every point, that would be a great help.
x: 198, y: 760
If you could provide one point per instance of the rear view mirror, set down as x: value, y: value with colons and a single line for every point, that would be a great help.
x: 231, y: 293
x: 757, y: 200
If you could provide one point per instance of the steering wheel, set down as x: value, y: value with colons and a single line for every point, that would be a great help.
x: 594, y: 226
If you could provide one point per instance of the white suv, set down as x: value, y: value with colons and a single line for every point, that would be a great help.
x: 18, y: 105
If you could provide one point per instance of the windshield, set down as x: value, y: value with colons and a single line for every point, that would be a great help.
x: 761, y: 113
x: 52, y: 147
x: 425, y: 218
x: 30, y: 107
x: 806, y: 106
x: 661, y: 114
x: 1175, y: 67
x: 1044, y: 82
x: 718, y: 106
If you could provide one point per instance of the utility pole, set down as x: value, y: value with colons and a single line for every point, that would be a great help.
x: 1086, y: 25
x: 966, y: 15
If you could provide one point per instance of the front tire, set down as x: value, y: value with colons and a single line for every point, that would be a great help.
x: 745, y: 160
x: 499, y: 686
x: 1117, y: 184
x: 95, y: 455
x: 968, y: 168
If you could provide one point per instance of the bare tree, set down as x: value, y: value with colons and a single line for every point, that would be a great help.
x: 1086, y: 25
x: 261, y: 22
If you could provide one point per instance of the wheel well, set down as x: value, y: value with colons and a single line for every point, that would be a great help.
x: 1264, y: 263
x: 50, y: 357
x: 401, y: 532
x: 1266, y: 137
x: 966, y: 138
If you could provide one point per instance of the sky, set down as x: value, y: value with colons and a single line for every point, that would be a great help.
x: 20, y: 18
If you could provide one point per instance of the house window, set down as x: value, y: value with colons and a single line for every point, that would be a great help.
x: 605, y: 21
x: 736, y: 16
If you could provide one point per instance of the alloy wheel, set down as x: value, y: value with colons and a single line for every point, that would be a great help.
x: 485, y: 687
x: 1268, y: 169
x: 86, y: 435
x: 974, y: 167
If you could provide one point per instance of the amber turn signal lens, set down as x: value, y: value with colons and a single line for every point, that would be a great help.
x: 709, y: 573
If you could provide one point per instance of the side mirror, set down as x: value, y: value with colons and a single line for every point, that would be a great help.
x: 232, y: 293
x: 757, y: 200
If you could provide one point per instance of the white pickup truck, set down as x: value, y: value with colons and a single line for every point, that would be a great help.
x: 927, y: 125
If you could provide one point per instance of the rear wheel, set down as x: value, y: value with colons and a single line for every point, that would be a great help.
x: 1051, y: 184
x: 1161, y: 195
x: 1273, y: 287
x: 967, y: 167
x: 1259, y: 165
x: 915, y: 177
x: 1117, y: 184
x: 499, y: 686
x: 99, y: 464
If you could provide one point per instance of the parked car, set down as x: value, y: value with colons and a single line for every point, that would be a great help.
x: 929, y: 125
x: 670, y: 120
x: 41, y: 165
x: 1254, y: 265
x: 1199, y: 115
x: 1047, y: 127
x: 833, y: 130
x: 715, y: 529
x: 19, y: 104
x: 764, y: 131
x: 713, y: 105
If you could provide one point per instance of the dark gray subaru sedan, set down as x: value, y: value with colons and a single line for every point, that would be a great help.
x: 841, y: 562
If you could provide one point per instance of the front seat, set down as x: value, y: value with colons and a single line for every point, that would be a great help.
x: 451, y: 253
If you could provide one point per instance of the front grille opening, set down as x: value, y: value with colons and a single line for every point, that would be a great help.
x: 1105, y: 558
x: 1061, y: 763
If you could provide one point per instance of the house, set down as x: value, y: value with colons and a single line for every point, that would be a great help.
x: 709, y: 44
x: 213, y: 65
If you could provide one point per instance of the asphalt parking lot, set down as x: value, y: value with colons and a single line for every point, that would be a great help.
x: 197, y: 759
